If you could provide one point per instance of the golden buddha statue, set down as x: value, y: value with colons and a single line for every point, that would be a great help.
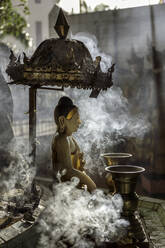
x: 66, y: 154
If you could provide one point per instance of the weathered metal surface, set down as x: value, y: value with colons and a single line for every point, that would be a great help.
x: 60, y: 62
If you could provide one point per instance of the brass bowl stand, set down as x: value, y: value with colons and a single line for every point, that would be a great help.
x: 125, y: 180
x: 112, y: 159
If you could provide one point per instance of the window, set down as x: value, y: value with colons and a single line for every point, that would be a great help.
x: 38, y: 32
x: 37, y: 1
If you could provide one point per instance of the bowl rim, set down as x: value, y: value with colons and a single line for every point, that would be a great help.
x: 116, y: 155
x: 110, y: 169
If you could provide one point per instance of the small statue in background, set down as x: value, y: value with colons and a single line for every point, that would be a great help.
x: 66, y: 155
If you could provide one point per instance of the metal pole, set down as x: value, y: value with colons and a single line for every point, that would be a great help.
x: 32, y: 124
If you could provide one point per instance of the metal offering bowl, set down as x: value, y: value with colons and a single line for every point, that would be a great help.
x: 115, y: 158
x: 125, y: 180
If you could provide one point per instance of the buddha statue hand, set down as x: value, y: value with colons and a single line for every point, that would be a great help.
x: 82, y: 161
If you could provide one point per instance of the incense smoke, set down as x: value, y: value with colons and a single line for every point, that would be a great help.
x: 91, y: 43
x: 107, y: 120
x: 76, y: 218
x: 16, y: 171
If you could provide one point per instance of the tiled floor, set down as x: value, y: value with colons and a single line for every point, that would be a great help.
x: 153, y: 213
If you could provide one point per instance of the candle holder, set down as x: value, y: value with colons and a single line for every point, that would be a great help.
x: 125, y: 180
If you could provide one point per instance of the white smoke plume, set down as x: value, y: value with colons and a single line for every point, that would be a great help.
x: 107, y: 120
x: 91, y: 43
x: 18, y: 174
x: 15, y: 168
x: 108, y: 115
x: 76, y: 218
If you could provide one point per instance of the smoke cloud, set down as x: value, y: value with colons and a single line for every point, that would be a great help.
x: 16, y: 171
x: 91, y: 43
x: 107, y: 120
x: 76, y: 218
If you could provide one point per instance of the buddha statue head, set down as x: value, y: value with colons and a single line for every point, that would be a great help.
x: 66, y: 116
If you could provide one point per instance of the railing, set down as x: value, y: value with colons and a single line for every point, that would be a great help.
x: 21, y: 128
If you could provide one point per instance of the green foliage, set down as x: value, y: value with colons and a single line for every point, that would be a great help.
x: 101, y: 7
x: 11, y: 22
x: 84, y: 7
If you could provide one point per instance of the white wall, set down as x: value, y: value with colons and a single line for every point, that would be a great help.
x: 38, y: 12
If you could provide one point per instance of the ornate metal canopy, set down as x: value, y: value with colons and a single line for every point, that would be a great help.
x: 60, y: 62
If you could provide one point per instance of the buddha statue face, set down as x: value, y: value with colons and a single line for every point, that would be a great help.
x: 66, y: 116
x: 70, y: 123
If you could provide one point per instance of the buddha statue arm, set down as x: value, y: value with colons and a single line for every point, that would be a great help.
x: 80, y: 156
x: 64, y: 158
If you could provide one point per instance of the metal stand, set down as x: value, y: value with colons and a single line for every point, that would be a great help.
x: 32, y: 124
